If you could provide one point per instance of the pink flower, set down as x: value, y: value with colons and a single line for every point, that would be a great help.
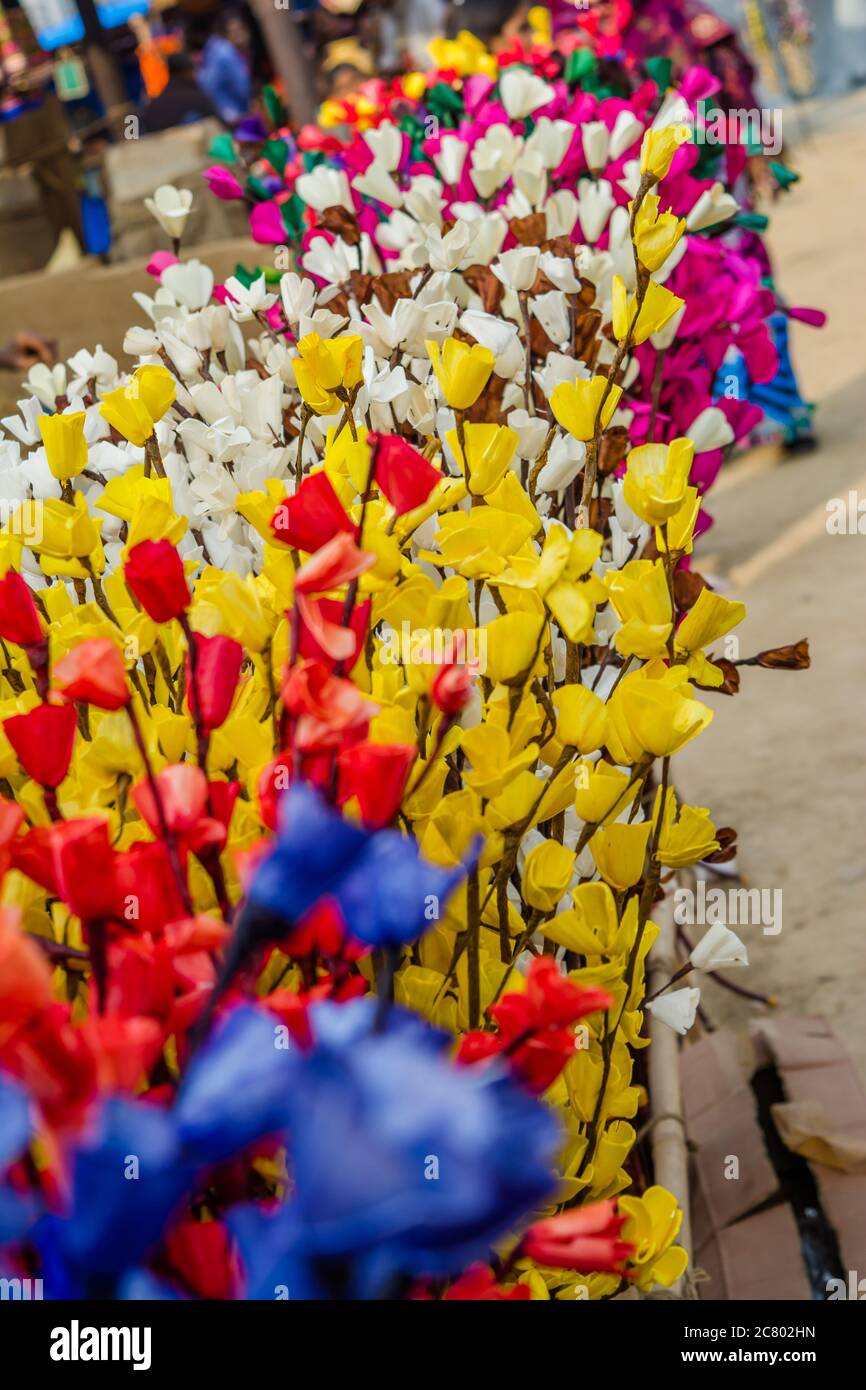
x: 266, y: 224
x: 223, y: 183
x: 160, y: 261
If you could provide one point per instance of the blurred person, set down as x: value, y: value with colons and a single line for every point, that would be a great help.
x: 181, y: 102
x: 225, y: 72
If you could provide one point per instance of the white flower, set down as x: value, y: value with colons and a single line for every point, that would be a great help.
x: 377, y: 183
x: 171, y: 207
x: 596, y: 140
x: 46, y: 383
x: 564, y: 461
x: 246, y: 302
x: 140, y: 342
x: 25, y: 427
x: 530, y: 178
x: 710, y: 430
x: 559, y: 271
x: 627, y: 130
x: 451, y: 159
x: 718, y: 947
x: 630, y: 180
x: 677, y: 1009
x: 386, y: 142
x: 714, y: 205
x: 499, y: 336
x: 560, y: 211
x: 324, y: 188
x: 329, y: 260
x: 493, y: 158
x: 522, y: 92
x: 517, y: 268
x: 191, y: 283
x: 551, y: 310
x: 531, y: 433
x: 97, y: 366
x: 596, y: 202
x: 551, y: 140
x: 184, y: 358
x: 423, y: 199
x: 449, y: 251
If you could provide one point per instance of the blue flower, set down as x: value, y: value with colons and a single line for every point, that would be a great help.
x: 402, y: 1164
x: 386, y: 892
x: 315, y: 848
x: 14, y: 1122
x: 128, y: 1178
x: 236, y: 1088
x: 391, y: 895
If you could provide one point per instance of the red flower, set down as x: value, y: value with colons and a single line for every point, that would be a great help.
x: 43, y: 740
x: 183, y: 792
x: 312, y: 516
x: 19, y: 616
x: 11, y: 817
x: 584, y: 1238
x: 201, y: 1254
x: 376, y: 773
x: 25, y: 976
x: 322, y: 620
x: 402, y: 473
x: 534, y: 1032
x: 337, y: 562
x: 452, y: 688
x: 83, y: 866
x: 94, y: 673
x: 326, y: 708
x: 218, y: 662
x: 155, y: 575
x: 147, y: 894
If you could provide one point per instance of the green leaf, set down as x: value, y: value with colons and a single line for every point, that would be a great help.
x: 274, y: 107
x: 276, y: 152
x: 222, y: 147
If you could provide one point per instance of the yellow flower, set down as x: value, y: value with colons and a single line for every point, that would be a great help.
x: 601, y: 791
x: 576, y: 405
x: 685, y: 837
x: 65, y: 445
x: 659, y: 148
x: 334, y: 362
x: 125, y: 410
x: 546, y: 875
x: 236, y: 605
x: 655, y: 234
x: 489, y: 750
x: 639, y: 593
x: 582, y: 721
x: 67, y: 530
x: 514, y: 643
x: 710, y: 618
x: 462, y: 371
x: 681, y: 526
x: 657, y: 309
x: 652, y: 711
x: 656, y: 479
x: 652, y: 1227
x: 489, y: 449
x: 156, y: 389
x: 590, y: 926
x: 619, y: 852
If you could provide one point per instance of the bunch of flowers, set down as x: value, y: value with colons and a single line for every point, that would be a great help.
x: 537, y: 131
x: 343, y: 668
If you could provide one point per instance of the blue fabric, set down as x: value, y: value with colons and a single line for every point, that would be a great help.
x: 225, y: 76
